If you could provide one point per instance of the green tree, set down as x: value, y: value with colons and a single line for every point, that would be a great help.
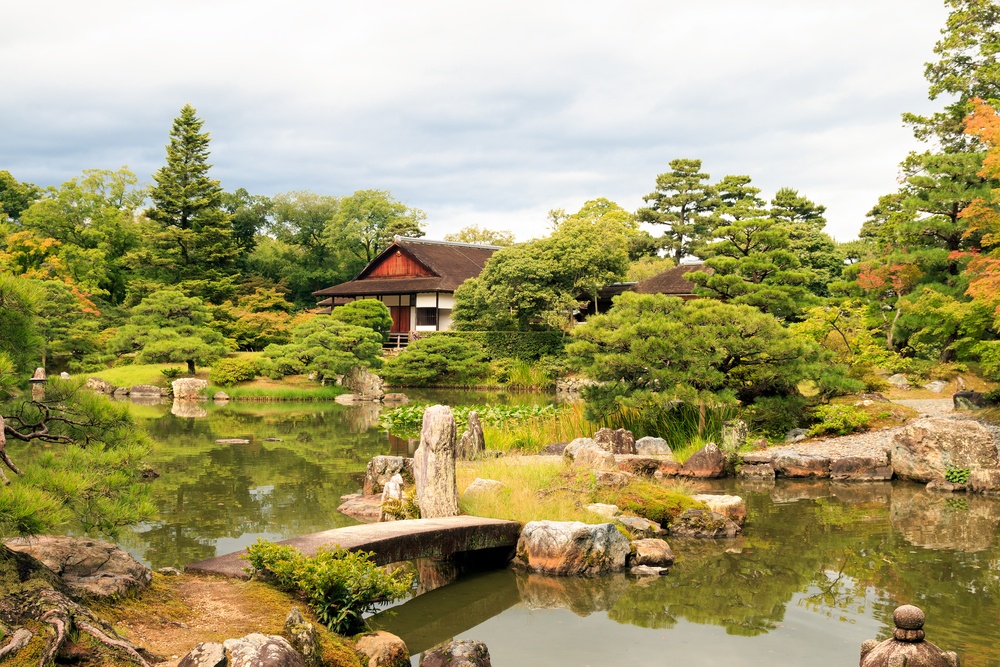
x: 20, y: 342
x: 650, y: 349
x: 249, y: 216
x: 438, y: 360
x: 194, y: 247
x: 683, y: 201
x: 539, y: 284
x: 15, y: 196
x: 815, y: 249
x: 168, y: 327
x: 67, y: 323
x: 368, y: 313
x: 325, y: 347
x: 257, y: 320
x: 481, y: 236
x: 367, y: 221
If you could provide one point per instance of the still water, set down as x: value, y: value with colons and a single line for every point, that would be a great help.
x: 818, y: 569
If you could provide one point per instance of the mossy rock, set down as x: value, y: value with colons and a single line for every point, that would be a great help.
x: 648, y: 500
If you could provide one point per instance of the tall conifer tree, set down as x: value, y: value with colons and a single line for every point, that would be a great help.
x: 194, y: 246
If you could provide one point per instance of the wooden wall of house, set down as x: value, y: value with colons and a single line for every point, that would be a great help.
x: 398, y: 265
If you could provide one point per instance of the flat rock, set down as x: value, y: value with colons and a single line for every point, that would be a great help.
x: 898, y: 381
x: 859, y: 469
x: 614, y: 478
x: 100, y: 386
x: 232, y: 441
x: 396, y: 399
x: 556, y: 448
x: 788, y: 463
x: 731, y: 507
x: 649, y: 571
x: 638, y: 464
x: 943, y: 486
x: 937, y: 386
x: 89, y: 567
x: 796, y: 434
x: 145, y: 390
x: 484, y: 486
x: 347, y: 399
x: 604, y: 509
x: 364, y: 508
x: 571, y: 548
x: 756, y: 471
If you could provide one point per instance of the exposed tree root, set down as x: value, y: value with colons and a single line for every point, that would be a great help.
x: 41, y: 597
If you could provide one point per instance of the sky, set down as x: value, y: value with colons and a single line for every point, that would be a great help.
x: 477, y: 112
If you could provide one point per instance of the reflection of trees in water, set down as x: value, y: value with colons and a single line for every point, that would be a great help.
x: 207, y: 491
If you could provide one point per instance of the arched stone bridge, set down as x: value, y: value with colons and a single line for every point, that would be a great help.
x: 391, y: 542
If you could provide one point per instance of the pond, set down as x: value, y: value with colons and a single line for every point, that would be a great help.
x: 818, y: 570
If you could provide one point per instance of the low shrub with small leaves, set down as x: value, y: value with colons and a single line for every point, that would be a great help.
x: 648, y: 500
x: 171, y: 372
x: 840, y: 419
x: 227, y: 372
x: 341, y: 586
x: 957, y: 475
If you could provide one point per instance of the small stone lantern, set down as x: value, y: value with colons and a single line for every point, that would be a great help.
x: 37, y: 382
x: 907, y: 647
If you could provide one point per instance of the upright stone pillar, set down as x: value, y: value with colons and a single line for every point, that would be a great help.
x: 473, y: 442
x: 434, y: 465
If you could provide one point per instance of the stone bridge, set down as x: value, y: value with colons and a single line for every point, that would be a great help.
x: 391, y: 542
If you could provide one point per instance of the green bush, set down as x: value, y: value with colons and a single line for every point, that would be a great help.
x: 438, y: 360
x: 341, y: 586
x: 840, y: 419
x: 171, y: 372
x: 525, y: 345
x: 368, y: 313
x: 227, y: 372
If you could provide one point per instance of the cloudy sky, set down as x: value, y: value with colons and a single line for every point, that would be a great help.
x: 475, y: 111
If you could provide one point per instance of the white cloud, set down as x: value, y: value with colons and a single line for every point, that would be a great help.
x: 485, y: 112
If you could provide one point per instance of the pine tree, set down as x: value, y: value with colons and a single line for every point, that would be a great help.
x: 194, y: 246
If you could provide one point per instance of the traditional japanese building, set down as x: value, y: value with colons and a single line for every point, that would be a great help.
x: 416, y: 279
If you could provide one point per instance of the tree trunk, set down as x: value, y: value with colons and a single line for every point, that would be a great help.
x: 190, y: 364
x: 892, y: 330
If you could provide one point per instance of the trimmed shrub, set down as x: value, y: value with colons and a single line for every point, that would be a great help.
x: 840, y: 419
x: 227, y: 372
x: 441, y: 360
x: 647, y: 500
x: 368, y: 313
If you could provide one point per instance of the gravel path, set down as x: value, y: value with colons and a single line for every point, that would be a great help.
x: 873, y: 444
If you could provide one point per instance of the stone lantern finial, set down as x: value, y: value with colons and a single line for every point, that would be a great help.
x: 907, y: 645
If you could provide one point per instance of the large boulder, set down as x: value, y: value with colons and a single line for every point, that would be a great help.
x: 480, y: 486
x: 707, y: 462
x: 650, y: 446
x: 380, y: 470
x: 473, y: 442
x: 985, y: 481
x: 365, y: 385
x: 259, y: 650
x: 205, y: 654
x: 569, y: 451
x: 457, y: 653
x: 594, y: 457
x: 703, y: 524
x: 968, y: 400
x: 617, y: 441
x: 640, y: 527
x: 571, y: 548
x: 382, y: 649
x: 150, y: 390
x: 189, y: 389
x: 923, y: 450
x: 899, y: 381
x: 434, y: 465
x: 89, y: 567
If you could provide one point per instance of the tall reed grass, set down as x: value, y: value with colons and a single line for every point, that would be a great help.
x: 686, y: 427
x: 534, y: 434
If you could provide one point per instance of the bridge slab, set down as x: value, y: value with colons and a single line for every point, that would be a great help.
x: 391, y: 542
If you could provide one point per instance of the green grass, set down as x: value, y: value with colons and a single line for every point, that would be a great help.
x: 249, y: 391
x: 129, y: 376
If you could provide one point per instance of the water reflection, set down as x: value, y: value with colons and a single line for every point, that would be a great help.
x: 829, y: 561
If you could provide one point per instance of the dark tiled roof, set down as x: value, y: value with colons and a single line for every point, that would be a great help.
x: 452, y: 264
x: 671, y: 281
